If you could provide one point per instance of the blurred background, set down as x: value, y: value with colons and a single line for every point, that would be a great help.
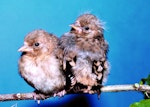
x: 127, y: 24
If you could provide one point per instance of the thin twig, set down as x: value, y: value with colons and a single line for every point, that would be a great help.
x: 110, y: 88
x: 134, y: 87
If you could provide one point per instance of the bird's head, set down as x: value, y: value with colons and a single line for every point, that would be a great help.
x: 38, y: 42
x: 88, y: 26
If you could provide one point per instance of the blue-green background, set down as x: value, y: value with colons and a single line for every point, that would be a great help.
x: 127, y: 24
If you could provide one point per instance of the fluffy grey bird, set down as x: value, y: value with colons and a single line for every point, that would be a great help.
x: 39, y: 65
x: 85, y: 54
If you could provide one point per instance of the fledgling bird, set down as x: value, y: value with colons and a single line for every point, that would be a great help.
x: 39, y: 65
x: 85, y: 54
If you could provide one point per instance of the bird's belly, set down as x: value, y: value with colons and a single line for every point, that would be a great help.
x: 83, y: 73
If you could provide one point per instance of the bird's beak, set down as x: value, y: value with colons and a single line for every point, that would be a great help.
x: 77, y: 28
x: 25, y: 48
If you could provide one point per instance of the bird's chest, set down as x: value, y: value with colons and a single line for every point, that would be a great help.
x: 38, y: 68
x: 91, y: 45
x: 90, y: 48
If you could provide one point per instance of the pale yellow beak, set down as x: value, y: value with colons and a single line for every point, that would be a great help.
x: 25, y: 48
x: 77, y: 28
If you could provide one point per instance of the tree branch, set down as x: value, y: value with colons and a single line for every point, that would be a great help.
x: 110, y: 88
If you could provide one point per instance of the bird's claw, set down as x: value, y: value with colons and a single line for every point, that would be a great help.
x: 60, y: 94
x: 37, y: 96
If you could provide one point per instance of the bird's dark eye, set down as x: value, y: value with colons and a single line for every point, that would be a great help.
x: 36, y: 44
x: 86, y: 28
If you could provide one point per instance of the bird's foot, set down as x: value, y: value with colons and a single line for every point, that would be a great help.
x: 60, y: 94
x: 97, y: 89
x: 37, y: 96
